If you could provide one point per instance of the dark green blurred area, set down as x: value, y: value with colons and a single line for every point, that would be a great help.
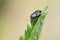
x: 1, y: 6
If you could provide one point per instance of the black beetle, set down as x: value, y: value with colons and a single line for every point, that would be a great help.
x: 35, y: 14
x: 34, y: 17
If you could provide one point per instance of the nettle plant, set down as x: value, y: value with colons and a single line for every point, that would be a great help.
x: 33, y: 31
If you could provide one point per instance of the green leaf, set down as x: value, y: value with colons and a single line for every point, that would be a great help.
x: 21, y: 38
x: 33, y: 32
x: 27, y: 32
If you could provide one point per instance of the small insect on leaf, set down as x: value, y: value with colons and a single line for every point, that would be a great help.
x: 33, y: 31
x: 34, y: 17
x: 35, y: 14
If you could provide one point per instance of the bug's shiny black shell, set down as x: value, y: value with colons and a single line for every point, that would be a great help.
x: 35, y: 14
